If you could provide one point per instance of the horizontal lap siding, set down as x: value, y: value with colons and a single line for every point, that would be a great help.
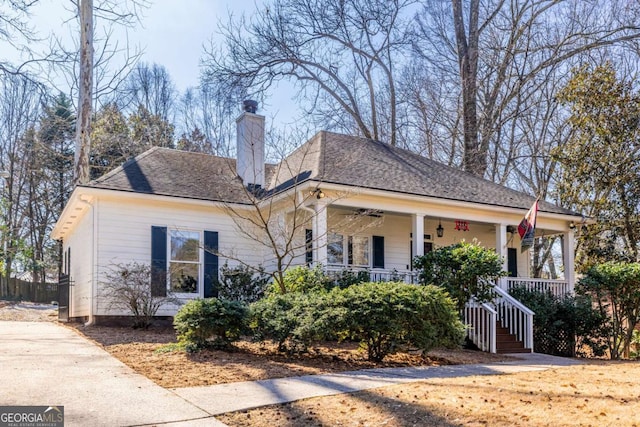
x: 395, y: 230
x: 81, y: 243
x: 125, y: 234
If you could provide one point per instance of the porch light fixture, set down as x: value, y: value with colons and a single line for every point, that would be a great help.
x: 572, y: 225
x: 440, y: 230
x: 318, y: 193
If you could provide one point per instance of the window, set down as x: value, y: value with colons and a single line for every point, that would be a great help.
x: 184, y: 261
x: 335, y: 248
x: 357, y: 249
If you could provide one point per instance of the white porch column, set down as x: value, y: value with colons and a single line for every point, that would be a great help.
x: 568, y: 257
x: 501, y: 245
x: 319, y: 225
x: 418, y: 235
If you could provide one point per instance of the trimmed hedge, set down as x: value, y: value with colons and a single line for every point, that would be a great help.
x: 201, y: 320
x: 382, y: 316
x: 303, y: 279
x: 295, y: 320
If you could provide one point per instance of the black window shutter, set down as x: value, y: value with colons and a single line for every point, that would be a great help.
x: 378, y: 251
x: 308, y: 238
x: 210, y: 264
x: 159, y: 261
x: 512, y: 262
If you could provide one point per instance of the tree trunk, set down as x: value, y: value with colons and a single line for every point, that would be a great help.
x: 83, y: 123
x: 475, y: 158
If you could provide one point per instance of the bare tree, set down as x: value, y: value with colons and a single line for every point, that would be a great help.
x: 341, y: 55
x: 19, y: 108
x: 123, y: 13
x: 16, y: 32
x: 152, y: 87
x: 83, y: 122
x: 211, y: 110
x: 501, y: 51
x: 277, y: 217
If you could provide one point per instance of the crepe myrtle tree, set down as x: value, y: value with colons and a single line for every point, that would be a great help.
x: 276, y: 218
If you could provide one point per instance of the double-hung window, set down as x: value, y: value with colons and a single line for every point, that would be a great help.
x: 184, y: 261
x: 348, y: 250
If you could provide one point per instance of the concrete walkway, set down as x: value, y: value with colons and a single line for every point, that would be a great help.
x: 42, y: 363
x: 45, y: 364
x: 223, y: 398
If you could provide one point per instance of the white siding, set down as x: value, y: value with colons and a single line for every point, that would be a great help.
x: 81, y: 244
x: 396, y: 229
x: 124, y: 234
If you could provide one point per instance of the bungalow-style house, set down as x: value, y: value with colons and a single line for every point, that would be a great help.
x: 359, y: 204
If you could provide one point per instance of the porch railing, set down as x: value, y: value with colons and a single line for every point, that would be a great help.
x: 480, y: 319
x: 514, y: 316
x: 559, y: 288
x: 376, y: 274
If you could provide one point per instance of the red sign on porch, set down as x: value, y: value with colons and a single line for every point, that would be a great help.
x: 462, y: 225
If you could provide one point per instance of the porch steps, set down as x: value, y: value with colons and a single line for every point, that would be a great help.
x: 506, y: 342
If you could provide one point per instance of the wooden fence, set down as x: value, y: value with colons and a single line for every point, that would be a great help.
x: 34, y: 292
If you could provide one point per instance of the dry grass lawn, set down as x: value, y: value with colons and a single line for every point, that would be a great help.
x: 144, y: 352
x: 594, y: 394
x: 597, y: 393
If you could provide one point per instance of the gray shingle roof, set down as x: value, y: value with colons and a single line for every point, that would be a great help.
x: 169, y: 172
x: 327, y: 157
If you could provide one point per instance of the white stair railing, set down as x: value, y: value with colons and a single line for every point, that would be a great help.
x: 480, y: 319
x: 514, y: 316
x: 377, y: 274
x: 559, y: 288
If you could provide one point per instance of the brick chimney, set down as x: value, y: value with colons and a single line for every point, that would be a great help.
x: 250, y: 149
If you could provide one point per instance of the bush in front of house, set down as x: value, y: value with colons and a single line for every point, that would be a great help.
x: 384, y: 316
x: 242, y: 283
x: 347, y: 278
x: 295, y: 320
x: 461, y: 269
x: 615, y: 289
x: 564, y: 326
x: 210, y: 322
x: 303, y: 279
x: 128, y: 287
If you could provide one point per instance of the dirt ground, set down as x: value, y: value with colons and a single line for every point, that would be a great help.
x: 147, y: 353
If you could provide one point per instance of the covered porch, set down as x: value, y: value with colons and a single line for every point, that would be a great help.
x: 381, y: 242
x: 369, y: 234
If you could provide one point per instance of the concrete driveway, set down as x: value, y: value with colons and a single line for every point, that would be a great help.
x: 42, y: 363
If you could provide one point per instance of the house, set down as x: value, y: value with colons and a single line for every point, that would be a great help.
x: 358, y: 204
